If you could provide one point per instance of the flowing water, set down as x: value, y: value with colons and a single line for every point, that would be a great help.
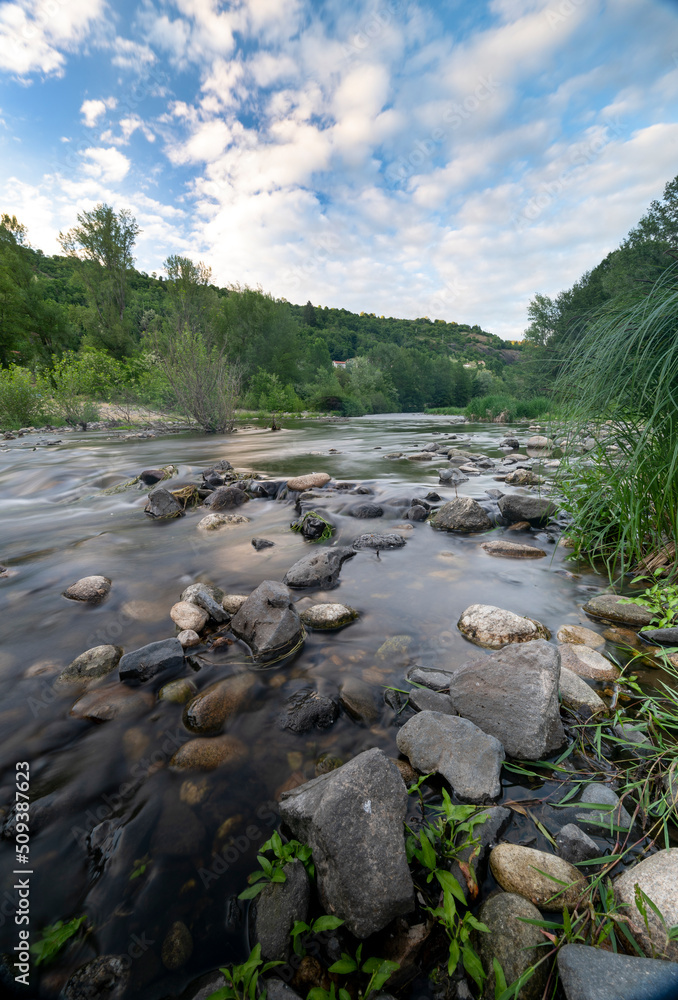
x: 190, y: 839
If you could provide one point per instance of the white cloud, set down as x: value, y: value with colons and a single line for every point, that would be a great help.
x: 132, y: 55
x: 92, y: 110
x: 105, y: 164
x: 35, y: 35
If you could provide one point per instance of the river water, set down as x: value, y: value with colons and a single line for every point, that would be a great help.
x: 166, y: 828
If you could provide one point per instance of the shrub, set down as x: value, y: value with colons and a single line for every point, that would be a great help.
x: 21, y: 397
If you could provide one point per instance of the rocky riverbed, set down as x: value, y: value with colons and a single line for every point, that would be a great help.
x: 208, y: 640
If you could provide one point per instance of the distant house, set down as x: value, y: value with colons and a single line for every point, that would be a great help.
x: 342, y: 364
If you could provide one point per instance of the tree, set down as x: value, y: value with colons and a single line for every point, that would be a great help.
x: 308, y: 314
x: 103, y: 242
x: 187, y: 286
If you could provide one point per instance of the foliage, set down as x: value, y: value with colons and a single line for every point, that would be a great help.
x: 489, y: 407
x: 242, y: 981
x: 54, y: 937
x: 379, y: 970
x: 660, y: 599
x: 302, y: 930
x: 21, y: 397
x: 327, y: 531
x: 75, y: 380
x: 272, y: 870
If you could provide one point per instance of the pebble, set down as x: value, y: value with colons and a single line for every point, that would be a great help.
x: 515, y: 869
x: 189, y: 616
x: 178, y: 692
x: 587, y: 662
x: 212, y: 522
x: 206, y: 754
x: 91, y: 665
x: 314, y: 480
x: 512, y: 550
x: 111, y: 702
x: 177, y: 947
x: 209, y: 710
x: 328, y: 616
x: 579, y: 635
x: 232, y: 603
x: 90, y: 589
x: 188, y: 637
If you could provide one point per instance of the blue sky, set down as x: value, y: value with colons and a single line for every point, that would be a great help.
x: 401, y: 157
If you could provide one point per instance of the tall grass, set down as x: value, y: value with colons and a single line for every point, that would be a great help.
x: 496, y: 404
x: 625, y: 504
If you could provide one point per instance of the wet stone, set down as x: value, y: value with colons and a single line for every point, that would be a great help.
x: 589, y: 973
x: 188, y: 637
x: 178, y: 692
x: 103, y: 704
x: 212, y: 522
x: 220, y: 701
x: 328, y: 616
x: 492, y: 627
x: 279, y: 907
x: 512, y: 550
x: 374, y: 540
x: 104, y: 978
x: 189, y: 616
x: 315, y: 480
x: 536, y: 510
x: 308, y: 709
x: 89, y: 589
x: 580, y: 635
x: 207, y: 598
x: 226, y: 498
x: 262, y: 543
x: 519, y: 869
x: 206, y: 754
x: 425, y: 700
x: 318, y: 569
x: 149, y: 661
x: 461, y: 514
x: 514, y: 943
x: 177, y: 947
x: 587, y: 662
x: 657, y: 877
x: 162, y: 504
x: 611, y: 608
x: 576, y: 693
x: 575, y: 846
x: 268, y: 623
x: 436, y: 680
x: 416, y: 513
x: 91, y: 665
x: 359, y: 700
x: 612, y: 812
x: 365, y: 510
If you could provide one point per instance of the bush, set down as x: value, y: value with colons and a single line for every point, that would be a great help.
x: 76, y: 380
x: 489, y: 407
x: 21, y: 397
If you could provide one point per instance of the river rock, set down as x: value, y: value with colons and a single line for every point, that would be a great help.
x: 208, y: 711
x: 226, y: 498
x: 469, y: 759
x: 365, y: 510
x: 259, y: 544
x: 155, y: 658
x: 205, y: 753
x: 421, y: 456
x: 149, y: 477
x: 231, y: 603
x: 276, y: 989
x: 587, y: 662
x: 425, y: 700
x: 515, y: 869
x: 461, y: 514
x: 657, y: 877
x: 187, y: 637
x: 436, y: 680
x: 268, y: 623
x: 611, y: 608
x: 416, y: 513
x: 189, y: 616
x: 90, y: 589
x: 589, y: 973
x: 575, y: 846
x: 512, y: 550
x: 510, y: 442
x: 104, y: 978
x: 177, y: 947
x: 660, y: 636
x: 515, y: 944
x: 328, y: 616
x: 315, y: 480
x: 279, y: 907
x: 359, y: 700
x: 523, y: 477
x: 612, y: 812
x: 575, y: 692
x: 111, y: 702
x: 212, y: 522
x: 580, y: 636
x: 90, y: 665
x: 308, y: 709
x: 352, y: 818
x: 178, y: 692
x: 162, y: 504
x: 539, y: 443
x: 493, y: 627
x: 312, y: 527
x: 207, y: 598
x: 377, y: 541
x: 318, y: 569
x: 536, y: 510
x: 513, y: 695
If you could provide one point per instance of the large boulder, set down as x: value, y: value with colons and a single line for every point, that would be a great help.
x: 513, y: 695
x: 515, y: 944
x: 464, y: 755
x: 352, y: 818
x: 589, y: 973
x: 493, y: 627
x: 546, y: 880
x: 318, y: 569
x: 611, y: 608
x: 268, y: 623
x: 166, y: 656
x: 518, y: 507
x: 461, y: 514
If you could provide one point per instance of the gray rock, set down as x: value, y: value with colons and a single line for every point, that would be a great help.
x: 268, y: 623
x: 415, y: 513
x: 318, y: 569
x: 515, y: 944
x: 226, y: 498
x: 660, y: 636
x: 452, y: 476
x: 365, y: 510
x: 205, y: 986
x: 588, y: 973
x: 157, y: 657
x: 376, y: 541
x: 461, y: 514
x: 611, y: 608
x: 575, y: 846
x: 426, y: 700
x: 161, y: 504
x: 492, y: 627
x: 536, y: 510
x: 311, y: 527
x: 359, y: 700
x: 207, y: 598
x: 276, y: 989
x: 328, y: 616
x: 613, y: 812
x: 512, y: 694
x: 657, y: 877
x: 436, y: 680
x: 510, y: 442
x: 512, y: 550
x: 262, y: 543
x: 308, y: 709
x: 104, y: 978
x: 352, y: 818
x: 279, y: 906
x: 469, y: 759
x: 575, y: 692
x: 90, y: 665
x: 90, y: 589
x: 177, y: 946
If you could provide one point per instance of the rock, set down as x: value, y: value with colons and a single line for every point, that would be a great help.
x: 262, y: 543
x: 469, y: 759
x: 207, y: 598
x: 212, y: 522
x: 512, y: 550
x: 318, y: 569
x: 268, y: 623
x: 231, y: 603
x: 279, y: 907
x: 461, y: 514
x: 179, y: 833
x: 90, y: 665
x: 178, y: 692
x: 155, y: 658
x: 493, y: 627
x: 111, y: 702
x: 225, y: 498
x: 515, y: 944
x: 328, y: 616
x: 510, y: 442
x: 177, y: 947
x: 589, y: 973
x: 396, y: 649
x: 516, y: 870
x: 312, y: 527
x: 90, y: 589
x: 416, y: 513
x: 421, y: 456
x: 436, y: 680
x: 376, y: 541
x: 187, y: 637
x: 209, y: 710
x: 315, y: 480
x: 365, y: 510
x: 611, y: 608
x: 580, y: 636
x: 359, y: 700
x: 189, y: 616
x: 162, y: 504
x: 539, y: 443
x: 104, y: 978
x: 276, y: 989
x: 308, y: 709
x: 575, y: 846
x: 657, y: 877
x: 453, y: 476
x: 536, y: 510
x: 575, y: 692
x: 205, y: 753
x: 425, y: 700
x: 513, y: 695
x: 660, y: 636
x: 587, y: 662
x: 612, y: 814
x: 152, y: 476
x: 523, y: 477
x: 519, y: 526
x: 352, y: 818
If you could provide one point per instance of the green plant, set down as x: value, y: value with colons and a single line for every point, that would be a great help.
x: 140, y: 866
x: 379, y: 970
x: 301, y: 930
x: 327, y: 531
x: 242, y: 981
x: 54, y: 937
x: 661, y: 600
x: 272, y: 871
x: 21, y: 397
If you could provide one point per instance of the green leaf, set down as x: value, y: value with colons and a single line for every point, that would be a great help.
x: 326, y: 923
x: 473, y: 965
x: 450, y: 884
x: 344, y: 994
x: 345, y: 966
x: 453, y: 958
x: 54, y: 937
x: 252, y: 891
x: 428, y: 853
x: 499, y: 979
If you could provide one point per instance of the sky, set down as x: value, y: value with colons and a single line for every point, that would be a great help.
x: 401, y: 157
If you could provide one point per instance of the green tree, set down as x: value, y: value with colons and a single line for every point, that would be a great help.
x: 188, y: 288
